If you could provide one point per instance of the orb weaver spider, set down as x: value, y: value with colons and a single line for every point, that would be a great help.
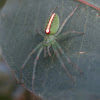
x: 52, y: 31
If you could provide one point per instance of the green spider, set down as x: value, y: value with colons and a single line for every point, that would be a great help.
x: 52, y: 31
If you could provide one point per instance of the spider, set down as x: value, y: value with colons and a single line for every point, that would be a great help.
x: 52, y: 33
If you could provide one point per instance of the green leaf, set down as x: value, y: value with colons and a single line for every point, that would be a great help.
x: 93, y: 4
x: 20, y: 21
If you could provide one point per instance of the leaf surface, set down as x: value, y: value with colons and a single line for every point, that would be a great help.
x: 20, y: 21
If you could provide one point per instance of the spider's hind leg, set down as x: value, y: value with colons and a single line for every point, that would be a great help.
x: 61, y: 36
x: 62, y: 63
x: 53, y: 11
x: 66, y: 19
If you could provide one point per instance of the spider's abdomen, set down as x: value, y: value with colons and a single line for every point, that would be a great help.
x: 52, y: 25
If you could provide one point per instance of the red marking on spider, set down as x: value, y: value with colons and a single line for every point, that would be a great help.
x: 47, y: 31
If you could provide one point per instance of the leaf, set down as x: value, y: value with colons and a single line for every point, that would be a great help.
x: 91, y: 4
x: 20, y: 21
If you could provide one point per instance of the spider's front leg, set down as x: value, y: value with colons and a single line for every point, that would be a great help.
x: 30, y: 54
x: 48, y: 50
x: 67, y: 58
x: 54, y: 46
x: 45, y: 52
x: 35, y: 63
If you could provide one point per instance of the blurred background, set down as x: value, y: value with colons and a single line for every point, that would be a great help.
x: 9, y: 87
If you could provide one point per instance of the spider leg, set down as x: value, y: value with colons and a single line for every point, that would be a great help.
x: 48, y: 51
x: 35, y: 62
x: 62, y: 63
x: 53, y: 10
x: 66, y: 33
x: 69, y: 61
x: 32, y: 52
x: 41, y: 33
x: 66, y: 19
x: 45, y: 52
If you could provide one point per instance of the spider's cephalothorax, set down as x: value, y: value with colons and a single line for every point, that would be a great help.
x: 49, y: 40
x: 52, y: 31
